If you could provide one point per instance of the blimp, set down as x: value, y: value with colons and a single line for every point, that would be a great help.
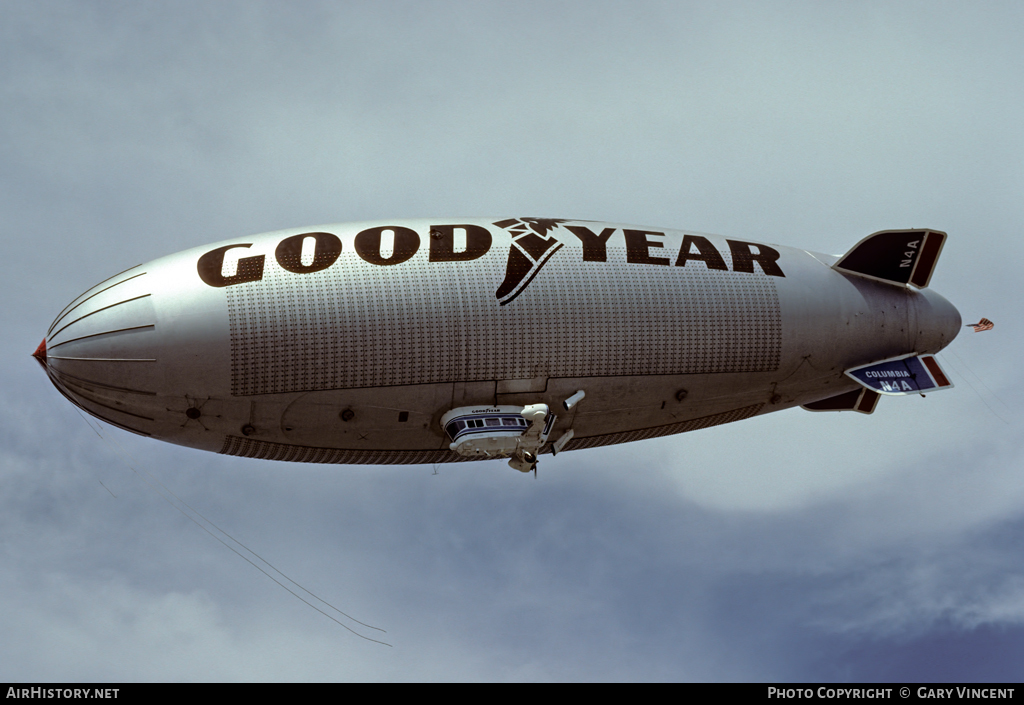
x: 446, y: 340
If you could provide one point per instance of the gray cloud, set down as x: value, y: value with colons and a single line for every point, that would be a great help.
x: 795, y: 546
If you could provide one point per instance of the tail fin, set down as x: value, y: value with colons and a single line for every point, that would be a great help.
x: 897, y: 376
x: 898, y: 257
x: 861, y: 399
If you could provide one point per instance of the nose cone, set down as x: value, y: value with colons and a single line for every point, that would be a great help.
x: 101, y: 352
x: 938, y: 322
x: 40, y: 353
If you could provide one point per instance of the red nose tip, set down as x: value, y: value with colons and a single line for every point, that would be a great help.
x: 40, y: 353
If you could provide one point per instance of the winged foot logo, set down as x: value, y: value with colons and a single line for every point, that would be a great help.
x: 531, y: 248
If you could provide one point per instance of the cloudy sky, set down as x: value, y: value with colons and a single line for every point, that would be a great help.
x: 794, y: 546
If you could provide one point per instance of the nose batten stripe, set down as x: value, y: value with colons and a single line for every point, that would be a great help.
x: 82, y: 393
x: 72, y: 306
x: 71, y: 397
x: 105, y: 359
x: 91, y: 313
x: 66, y: 375
x: 107, y: 332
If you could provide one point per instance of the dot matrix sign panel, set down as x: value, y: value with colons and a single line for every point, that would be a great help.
x: 357, y: 324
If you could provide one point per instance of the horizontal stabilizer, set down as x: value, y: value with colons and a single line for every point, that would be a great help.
x: 862, y: 400
x: 908, y: 374
x: 895, y: 256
